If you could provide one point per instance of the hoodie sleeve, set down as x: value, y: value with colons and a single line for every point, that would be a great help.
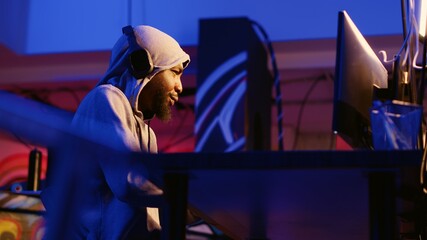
x: 106, y: 117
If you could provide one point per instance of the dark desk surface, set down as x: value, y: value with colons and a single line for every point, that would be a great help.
x: 291, y: 195
x: 284, y: 160
x: 285, y: 195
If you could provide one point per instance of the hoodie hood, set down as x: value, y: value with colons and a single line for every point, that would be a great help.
x: 165, y: 53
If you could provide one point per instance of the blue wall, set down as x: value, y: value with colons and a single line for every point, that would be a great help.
x: 48, y: 26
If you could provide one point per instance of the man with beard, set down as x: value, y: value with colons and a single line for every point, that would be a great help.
x: 143, y: 81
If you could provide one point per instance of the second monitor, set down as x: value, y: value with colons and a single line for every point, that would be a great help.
x: 357, y: 72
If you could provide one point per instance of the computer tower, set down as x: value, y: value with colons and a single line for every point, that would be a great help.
x: 234, y: 87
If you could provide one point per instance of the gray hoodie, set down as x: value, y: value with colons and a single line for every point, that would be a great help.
x: 114, y: 188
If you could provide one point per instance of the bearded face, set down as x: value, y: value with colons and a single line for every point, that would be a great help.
x: 161, y: 93
x: 162, y: 105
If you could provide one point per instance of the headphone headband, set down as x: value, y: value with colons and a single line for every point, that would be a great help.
x: 140, y: 61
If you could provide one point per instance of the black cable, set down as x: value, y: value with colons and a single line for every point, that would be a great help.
x: 149, y: 136
x: 276, y: 84
x: 423, y: 66
x: 43, y: 94
x: 22, y: 141
x: 72, y: 92
x: 405, y: 43
x: 304, y: 101
x: 420, y: 102
x: 403, y: 12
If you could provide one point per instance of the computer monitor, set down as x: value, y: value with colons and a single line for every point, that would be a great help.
x: 357, y: 72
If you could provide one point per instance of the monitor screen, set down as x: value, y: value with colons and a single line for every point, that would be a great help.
x: 357, y: 72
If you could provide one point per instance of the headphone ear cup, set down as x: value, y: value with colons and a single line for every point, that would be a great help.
x: 141, y: 63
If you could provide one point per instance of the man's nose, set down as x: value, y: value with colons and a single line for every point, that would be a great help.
x: 178, y: 86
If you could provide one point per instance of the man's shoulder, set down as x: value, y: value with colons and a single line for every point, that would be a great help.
x: 107, y: 88
x: 107, y: 91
